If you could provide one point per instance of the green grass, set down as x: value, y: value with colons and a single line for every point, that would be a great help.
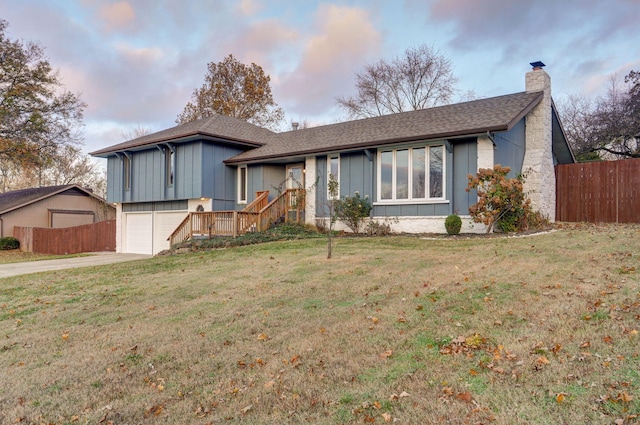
x: 538, y: 330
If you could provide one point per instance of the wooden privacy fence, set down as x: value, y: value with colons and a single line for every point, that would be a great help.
x: 94, y: 237
x: 599, y: 192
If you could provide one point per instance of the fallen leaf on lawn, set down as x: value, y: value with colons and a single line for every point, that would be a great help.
x: 542, y: 360
x: 560, y: 397
x: 404, y: 394
x: 624, y: 397
x: 386, y: 416
x: 263, y: 337
x: 585, y: 344
x: 377, y: 405
x: 465, y: 396
x: 246, y: 409
x: 65, y: 336
x: 386, y: 354
x: 269, y: 384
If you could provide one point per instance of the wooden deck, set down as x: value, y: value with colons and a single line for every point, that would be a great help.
x: 255, y: 217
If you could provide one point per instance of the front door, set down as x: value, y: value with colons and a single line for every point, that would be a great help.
x: 295, y: 180
x: 295, y: 176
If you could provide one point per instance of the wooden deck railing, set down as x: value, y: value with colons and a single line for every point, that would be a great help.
x: 257, y: 216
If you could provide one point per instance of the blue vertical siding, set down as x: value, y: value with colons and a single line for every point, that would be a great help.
x: 465, y: 162
x: 510, y: 148
x: 114, y: 179
x: 356, y: 175
x: 199, y: 171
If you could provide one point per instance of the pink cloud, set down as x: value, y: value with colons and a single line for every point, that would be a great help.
x: 117, y: 15
x: 249, y: 7
x: 344, y: 40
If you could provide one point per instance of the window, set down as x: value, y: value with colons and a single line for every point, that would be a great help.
x: 242, y: 184
x: 333, y: 168
x: 126, y: 172
x: 411, y: 174
x: 168, y: 165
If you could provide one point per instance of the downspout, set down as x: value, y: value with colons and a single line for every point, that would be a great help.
x: 1, y: 227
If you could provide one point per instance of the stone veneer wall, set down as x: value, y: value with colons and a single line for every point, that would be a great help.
x: 540, y: 183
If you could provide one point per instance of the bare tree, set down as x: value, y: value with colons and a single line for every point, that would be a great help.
x: 421, y: 78
x: 609, y: 126
x: 135, y: 132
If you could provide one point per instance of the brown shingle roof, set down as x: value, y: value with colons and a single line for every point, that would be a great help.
x: 217, y: 126
x: 468, y: 118
x: 10, y: 201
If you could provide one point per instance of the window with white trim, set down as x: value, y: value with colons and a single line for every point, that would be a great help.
x: 333, y: 170
x: 169, y: 157
x: 126, y: 172
x: 411, y: 174
x: 242, y: 184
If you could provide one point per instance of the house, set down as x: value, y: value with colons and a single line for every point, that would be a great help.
x: 51, y: 207
x: 413, y: 166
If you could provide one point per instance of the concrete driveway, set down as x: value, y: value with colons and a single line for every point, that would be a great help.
x: 95, y: 259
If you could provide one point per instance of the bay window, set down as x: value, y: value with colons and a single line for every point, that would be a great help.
x: 411, y: 174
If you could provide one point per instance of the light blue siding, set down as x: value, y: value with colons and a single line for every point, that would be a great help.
x: 356, y: 174
x: 465, y: 162
x: 411, y: 210
x: 219, y: 180
x: 198, y: 169
x: 510, y: 148
x: 114, y: 180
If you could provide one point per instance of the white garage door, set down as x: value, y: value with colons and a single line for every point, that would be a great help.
x: 165, y: 223
x: 138, y: 234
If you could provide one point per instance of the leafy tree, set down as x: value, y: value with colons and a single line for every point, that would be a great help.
x: 421, y: 78
x: 237, y: 90
x: 501, y: 200
x: 37, y: 116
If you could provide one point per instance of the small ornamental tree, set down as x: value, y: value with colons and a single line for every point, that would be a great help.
x: 333, y: 187
x: 352, y: 210
x: 501, y: 200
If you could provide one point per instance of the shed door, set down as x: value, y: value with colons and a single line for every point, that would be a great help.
x: 138, y: 233
x: 165, y: 223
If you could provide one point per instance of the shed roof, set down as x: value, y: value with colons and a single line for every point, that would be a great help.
x: 15, y: 199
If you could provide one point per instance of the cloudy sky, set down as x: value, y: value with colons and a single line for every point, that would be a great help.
x: 137, y: 62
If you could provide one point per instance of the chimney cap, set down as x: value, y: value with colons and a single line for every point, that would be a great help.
x: 537, y: 65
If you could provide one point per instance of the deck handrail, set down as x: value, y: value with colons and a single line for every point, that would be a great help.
x: 234, y: 223
x: 262, y: 199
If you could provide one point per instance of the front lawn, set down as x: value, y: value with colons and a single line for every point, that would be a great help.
x: 534, y: 330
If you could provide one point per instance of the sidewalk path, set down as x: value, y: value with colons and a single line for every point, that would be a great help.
x: 95, y: 259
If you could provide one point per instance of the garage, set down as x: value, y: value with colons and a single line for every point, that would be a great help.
x: 138, y: 233
x: 165, y: 222
x: 147, y: 232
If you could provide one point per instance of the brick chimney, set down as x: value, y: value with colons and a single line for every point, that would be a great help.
x: 540, y: 181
